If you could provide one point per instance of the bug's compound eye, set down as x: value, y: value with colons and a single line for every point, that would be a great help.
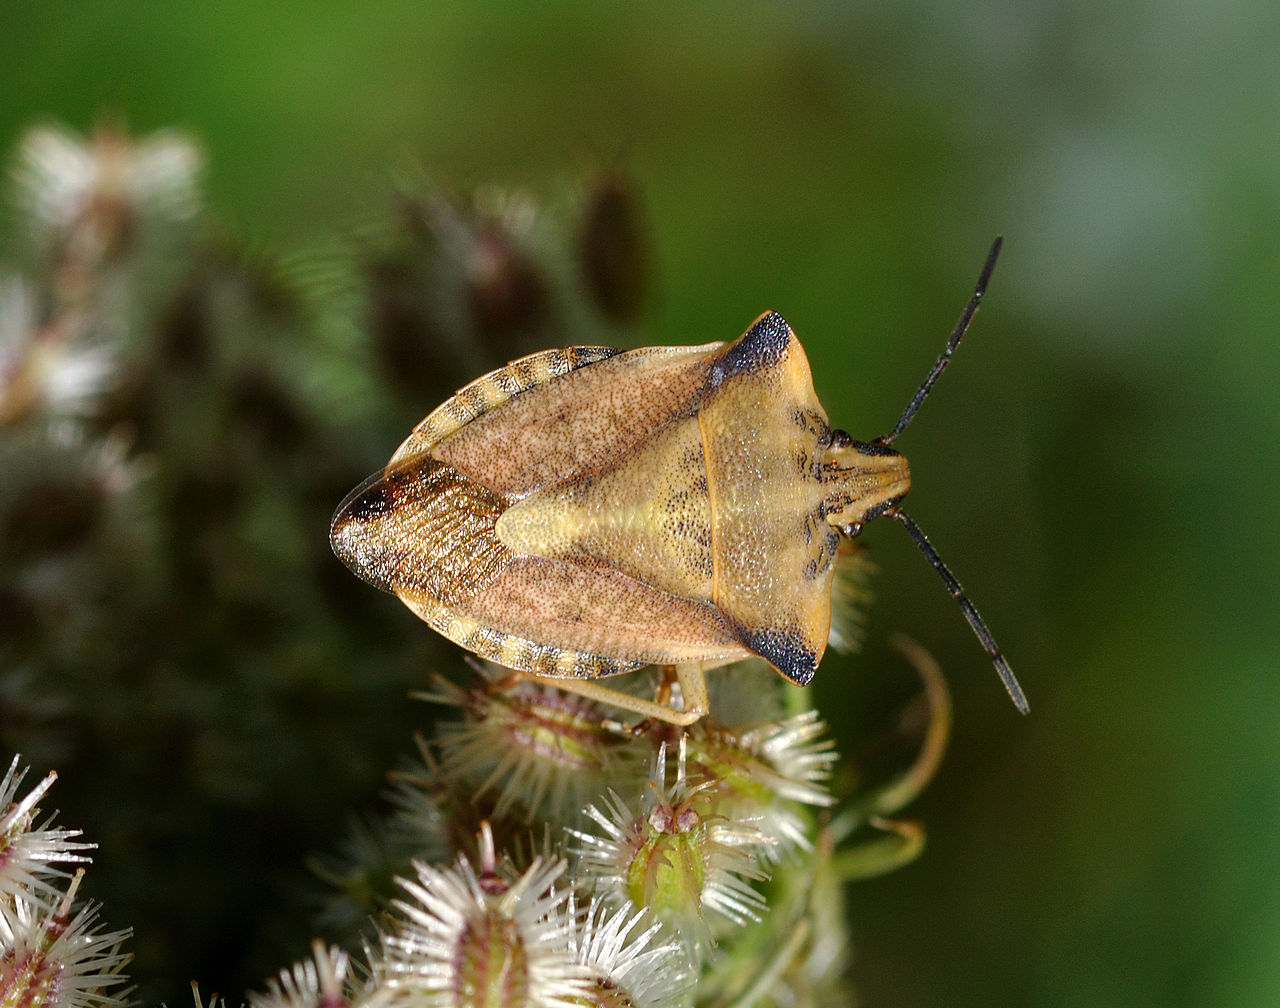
x: 838, y: 439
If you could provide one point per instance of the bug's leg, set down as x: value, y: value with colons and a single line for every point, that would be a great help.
x: 511, y: 680
x: 594, y: 690
x: 670, y: 677
x: 662, y: 694
x: 693, y: 693
x: 693, y: 688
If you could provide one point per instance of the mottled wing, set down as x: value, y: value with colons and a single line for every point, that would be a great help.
x: 427, y: 528
x: 583, y: 421
x: 490, y: 391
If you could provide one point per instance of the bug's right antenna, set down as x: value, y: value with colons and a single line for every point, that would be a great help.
x: 953, y: 341
x: 978, y: 624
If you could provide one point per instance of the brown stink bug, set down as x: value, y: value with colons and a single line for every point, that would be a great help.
x: 587, y: 511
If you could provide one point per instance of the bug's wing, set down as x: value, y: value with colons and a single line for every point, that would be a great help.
x: 427, y: 528
x: 427, y: 533
x: 420, y: 525
x: 582, y: 421
x: 490, y: 391
x: 561, y: 619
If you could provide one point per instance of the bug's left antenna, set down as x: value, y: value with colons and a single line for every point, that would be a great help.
x: 967, y: 607
x: 953, y: 341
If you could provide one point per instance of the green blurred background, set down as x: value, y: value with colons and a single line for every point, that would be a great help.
x: 1093, y: 467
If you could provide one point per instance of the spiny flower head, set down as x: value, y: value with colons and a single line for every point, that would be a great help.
x: 51, y: 959
x: 627, y: 966
x: 675, y: 854
x: 47, y: 366
x: 27, y: 850
x: 543, y: 751
x: 762, y: 772
x: 89, y: 195
x: 319, y: 982
x: 480, y: 938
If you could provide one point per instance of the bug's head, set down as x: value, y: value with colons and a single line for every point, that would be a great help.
x: 863, y: 480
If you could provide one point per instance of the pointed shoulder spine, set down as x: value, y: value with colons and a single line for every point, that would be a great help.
x: 760, y: 347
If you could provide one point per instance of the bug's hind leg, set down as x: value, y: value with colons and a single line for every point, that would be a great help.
x: 693, y: 687
x: 693, y: 693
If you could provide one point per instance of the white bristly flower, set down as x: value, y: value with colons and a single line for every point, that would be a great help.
x: 675, y: 855
x: 473, y: 938
x: 51, y: 368
x: 762, y: 772
x: 64, y: 181
x: 27, y: 850
x: 318, y: 982
x: 538, y: 749
x: 628, y: 966
x: 50, y: 959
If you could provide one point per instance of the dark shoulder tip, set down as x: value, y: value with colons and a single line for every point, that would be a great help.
x: 769, y: 335
x: 761, y: 346
x: 369, y: 500
x: 784, y: 650
x: 349, y: 531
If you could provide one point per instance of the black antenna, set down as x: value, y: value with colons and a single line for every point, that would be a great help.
x: 978, y: 624
x: 953, y: 341
x: 967, y: 607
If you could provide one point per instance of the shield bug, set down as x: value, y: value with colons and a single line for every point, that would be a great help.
x: 586, y: 511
